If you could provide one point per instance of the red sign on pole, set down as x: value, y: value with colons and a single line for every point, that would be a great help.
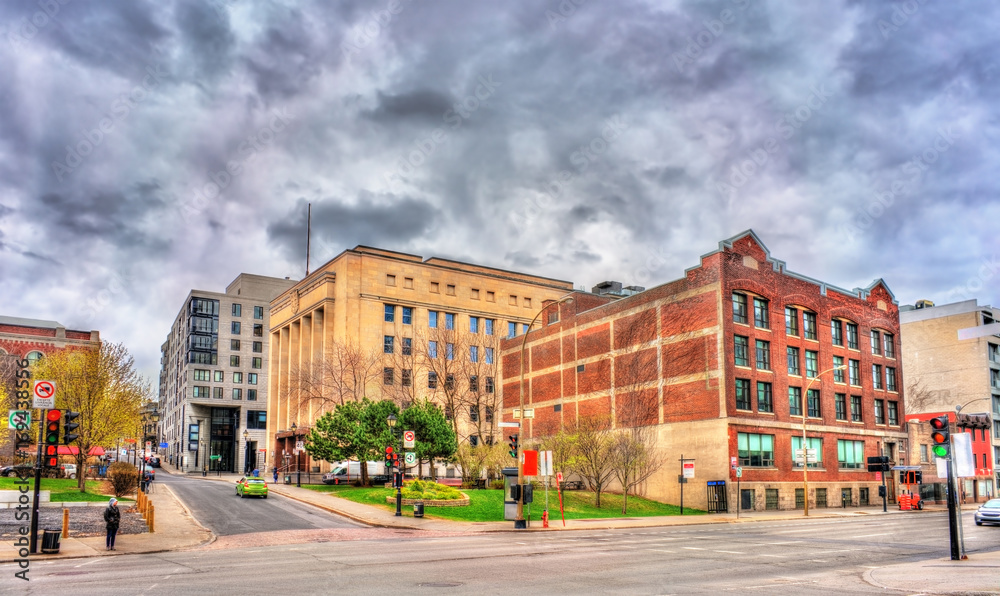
x: 878, y: 475
x: 530, y: 463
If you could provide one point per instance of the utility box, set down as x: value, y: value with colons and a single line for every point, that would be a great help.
x: 509, y: 504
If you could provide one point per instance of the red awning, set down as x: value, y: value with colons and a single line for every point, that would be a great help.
x: 74, y: 450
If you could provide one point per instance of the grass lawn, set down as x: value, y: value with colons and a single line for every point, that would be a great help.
x: 63, y: 489
x: 487, y: 505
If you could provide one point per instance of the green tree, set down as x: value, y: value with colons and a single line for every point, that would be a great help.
x: 435, y: 437
x: 353, y: 430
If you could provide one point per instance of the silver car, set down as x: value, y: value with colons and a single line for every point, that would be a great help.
x: 988, y: 512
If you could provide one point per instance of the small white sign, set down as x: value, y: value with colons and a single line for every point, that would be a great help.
x: 410, y: 458
x: 408, y: 439
x: 739, y: 472
x: 545, y: 463
x: 688, y: 469
x: 19, y: 417
x: 509, y: 424
x: 45, y: 395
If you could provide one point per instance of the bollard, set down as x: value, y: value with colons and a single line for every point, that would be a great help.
x: 65, y: 533
x: 149, y: 518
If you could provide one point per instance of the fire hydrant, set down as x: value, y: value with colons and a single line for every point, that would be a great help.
x: 545, y: 518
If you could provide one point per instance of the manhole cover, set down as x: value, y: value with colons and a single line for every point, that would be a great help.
x: 440, y: 585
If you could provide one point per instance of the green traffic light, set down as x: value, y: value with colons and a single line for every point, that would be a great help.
x: 940, y: 450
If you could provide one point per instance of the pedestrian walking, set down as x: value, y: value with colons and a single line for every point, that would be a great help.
x: 113, y: 518
x: 146, y: 479
x: 276, y: 474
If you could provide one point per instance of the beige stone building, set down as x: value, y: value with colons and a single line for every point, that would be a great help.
x: 944, y: 371
x: 382, y: 324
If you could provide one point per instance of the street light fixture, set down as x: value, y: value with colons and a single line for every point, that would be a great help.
x: 391, y: 421
x: 519, y: 522
x: 805, y: 442
x: 298, y: 472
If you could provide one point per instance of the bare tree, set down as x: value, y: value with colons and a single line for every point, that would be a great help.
x: 592, y: 453
x: 344, y: 374
x: 443, y: 356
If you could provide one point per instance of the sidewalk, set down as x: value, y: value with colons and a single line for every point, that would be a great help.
x: 176, y: 530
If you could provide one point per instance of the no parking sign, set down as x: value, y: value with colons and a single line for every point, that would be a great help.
x: 408, y: 438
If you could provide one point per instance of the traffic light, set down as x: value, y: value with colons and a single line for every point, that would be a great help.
x: 69, y: 426
x: 513, y: 446
x: 50, y: 450
x: 388, y: 458
x: 941, y: 437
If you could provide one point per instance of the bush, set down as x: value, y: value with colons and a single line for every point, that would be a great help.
x: 123, y: 477
x: 430, y: 491
x: 497, y: 484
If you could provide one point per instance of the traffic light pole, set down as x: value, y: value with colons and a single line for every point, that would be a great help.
x: 953, y: 511
x: 38, y: 483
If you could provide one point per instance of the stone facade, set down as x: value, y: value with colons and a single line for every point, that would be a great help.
x: 684, y: 358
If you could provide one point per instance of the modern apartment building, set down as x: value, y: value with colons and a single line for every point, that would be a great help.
x: 952, y: 359
x: 213, y: 378
x: 388, y: 325
x: 735, y: 365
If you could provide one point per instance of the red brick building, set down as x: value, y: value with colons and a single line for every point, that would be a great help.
x: 34, y: 338
x: 723, y: 363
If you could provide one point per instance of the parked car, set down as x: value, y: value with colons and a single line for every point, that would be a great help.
x: 67, y: 470
x: 348, y: 472
x: 252, y: 487
x: 988, y: 512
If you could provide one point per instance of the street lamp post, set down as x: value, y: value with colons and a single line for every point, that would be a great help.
x: 298, y: 472
x: 246, y: 453
x: 805, y: 442
x: 519, y: 523
x: 391, y: 421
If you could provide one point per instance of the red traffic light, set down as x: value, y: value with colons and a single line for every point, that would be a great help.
x: 939, y: 423
x: 54, y: 415
x: 388, y: 450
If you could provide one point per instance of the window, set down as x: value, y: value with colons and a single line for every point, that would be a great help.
x: 473, y: 324
x: 512, y: 300
x: 923, y: 454
x: 237, y: 393
x: 854, y: 372
x: 791, y: 321
x: 809, y: 325
x: 258, y: 312
x: 527, y: 303
x: 407, y: 315
x: 256, y: 420
x: 813, y: 403
x: 755, y: 450
x: 553, y: 316
x: 237, y: 377
x: 237, y: 310
x: 432, y: 349
x: 251, y: 378
x: 33, y: 356
x: 474, y: 413
x: 216, y: 392
x: 741, y: 351
x: 475, y: 294
x: 765, y: 402
x: 489, y: 414
x: 450, y: 290
x: 763, y: 355
x: 491, y: 296
x: 449, y: 321
x: 850, y: 454
x: 235, y: 328
x: 432, y: 380
x: 258, y: 330
x: 793, y: 360
x: 511, y: 330
x: 812, y: 364
x: 258, y: 346
x: 234, y: 361
x: 837, y: 331
x: 390, y: 280
x: 449, y: 351
x: 200, y: 391
x: 995, y: 379
x: 743, y: 394
x: 838, y: 370
x: 390, y: 313
x: 815, y: 445
x: 219, y: 376
x: 435, y: 287
x: 739, y: 308
x: 387, y: 344
x: 760, y: 318
x: 856, y: 408
x: 994, y: 353
x: 251, y: 395
x: 488, y: 327
x: 432, y: 319
x: 406, y: 377
x: 490, y: 386
x: 473, y: 440
x: 474, y: 385
x: 852, y: 336
x: 200, y: 375
x: 877, y: 376
x: 489, y: 355
x: 894, y: 414
x: 795, y: 401
x: 387, y: 374
x: 473, y: 353
x: 876, y: 342
x: 408, y: 283
x: 879, y: 411
x: 407, y: 345
x: 449, y: 382
x: 257, y: 362
x: 841, y: 401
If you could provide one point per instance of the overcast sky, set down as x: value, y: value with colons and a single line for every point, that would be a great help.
x: 148, y: 148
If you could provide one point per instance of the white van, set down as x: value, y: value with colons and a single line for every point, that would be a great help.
x: 350, y: 471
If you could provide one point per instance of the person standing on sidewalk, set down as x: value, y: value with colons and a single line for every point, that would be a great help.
x: 113, y: 518
x: 276, y: 474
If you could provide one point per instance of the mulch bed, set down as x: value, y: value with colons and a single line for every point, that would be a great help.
x: 83, y: 521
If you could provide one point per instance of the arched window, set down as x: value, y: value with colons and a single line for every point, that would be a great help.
x: 34, y: 356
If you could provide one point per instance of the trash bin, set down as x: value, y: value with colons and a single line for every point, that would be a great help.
x: 288, y: 479
x: 418, y: 509
x: 50, y: 540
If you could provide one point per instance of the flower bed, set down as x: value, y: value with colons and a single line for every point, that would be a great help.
x: 432, y: 502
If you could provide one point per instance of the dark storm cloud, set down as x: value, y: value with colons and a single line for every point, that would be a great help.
x: 209, y: 40
x: 420, y: 104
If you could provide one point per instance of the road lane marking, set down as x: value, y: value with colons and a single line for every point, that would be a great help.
x: 659, y: 550
x: 729, y: 552
x: 871, y: 535
x: 88, y: 562
x: 776, y: 556
x: 692, y: 548
x: 778, y: 543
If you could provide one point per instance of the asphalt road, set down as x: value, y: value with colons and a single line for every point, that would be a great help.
x: 783, y: 557
x: 218, y: 508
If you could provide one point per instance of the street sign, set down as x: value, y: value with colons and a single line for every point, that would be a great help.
x: 528, y: 413
x: 509, y: 424
x: 164, y: 445
x: 214, y: 457
x: 688, y: 469
x: 878, y: 476
x: 410, y: 458
x: 544, y: 463
x: 408, y: 438
x: 559, y: 477
x: 22, y: 417
x: 733, y: 463
x: 739, y: 472
x: 45, y: 395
